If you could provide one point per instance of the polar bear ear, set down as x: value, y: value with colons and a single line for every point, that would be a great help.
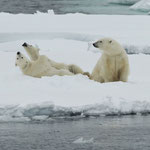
x: 37, y: 47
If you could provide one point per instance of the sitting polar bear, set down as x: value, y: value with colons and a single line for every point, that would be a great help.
x: 41, y: 65
x: 113, y: 64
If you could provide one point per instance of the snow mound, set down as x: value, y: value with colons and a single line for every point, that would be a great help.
x: 143, y: 5
x: 123, y: 2
x: 89, y: 28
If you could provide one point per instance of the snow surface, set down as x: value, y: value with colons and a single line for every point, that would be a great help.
x: 131, y: 30
x: 143, y: 5
x: 23, y: 96
x: 26, y: 98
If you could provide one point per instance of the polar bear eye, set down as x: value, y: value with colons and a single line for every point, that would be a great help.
x: 17, y: 58
x: 100, y: 41
x: 110, y: 41
x: 22, y: 57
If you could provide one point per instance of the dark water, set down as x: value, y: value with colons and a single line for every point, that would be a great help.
x: 123, y: 133
x: 65, y: 6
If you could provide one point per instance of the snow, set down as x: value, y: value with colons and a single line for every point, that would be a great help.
x: 143, y: 5
x: 130, y: 30
x: 25, y: 98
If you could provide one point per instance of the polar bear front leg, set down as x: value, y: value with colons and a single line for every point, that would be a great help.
x: 97, y: 78
x: 124, y: 72
x: 33, y: 52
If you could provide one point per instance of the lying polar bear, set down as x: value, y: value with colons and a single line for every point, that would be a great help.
x: 41, y: 65
x: 39, y: 68
x: 113, y: 64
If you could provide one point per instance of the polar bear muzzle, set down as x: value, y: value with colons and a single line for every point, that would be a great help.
x: 25, y: 44
x: 95, y: 45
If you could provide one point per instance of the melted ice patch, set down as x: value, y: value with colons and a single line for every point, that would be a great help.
x: 49, y: 12
x: 82, y: 140
x: 124, y: 2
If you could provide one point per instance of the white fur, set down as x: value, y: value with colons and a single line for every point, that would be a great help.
x: 33, y: 53
x: 39, y: 68
x: 41, y: 65
x: 113, y: 64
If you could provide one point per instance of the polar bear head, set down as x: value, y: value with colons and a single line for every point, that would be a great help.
x: 109, y: 46
x: 21, y: 60
x: 32, y: 51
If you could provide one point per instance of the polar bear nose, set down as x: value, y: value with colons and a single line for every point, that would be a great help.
x: 18, y: 53
x: 24, y: 44
x: 94, y: 45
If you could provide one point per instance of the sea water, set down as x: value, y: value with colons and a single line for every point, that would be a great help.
x: 118, y: 133
x: 68, y: 6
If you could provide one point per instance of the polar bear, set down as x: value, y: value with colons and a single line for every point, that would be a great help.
x: 38, y: 68
x: 33, y: 53
x: 113, y: 64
